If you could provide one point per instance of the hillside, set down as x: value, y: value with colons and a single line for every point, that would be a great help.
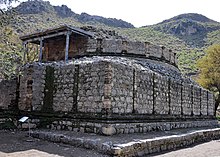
x: 187, y: 34
x: 191, y: 28
x: 182, y: 32
x: 42, y: 7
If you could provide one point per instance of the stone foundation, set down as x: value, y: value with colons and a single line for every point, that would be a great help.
x: 119, y: 93
x: 142, y: 146
x: 112, y: 128
x: 123, y: 95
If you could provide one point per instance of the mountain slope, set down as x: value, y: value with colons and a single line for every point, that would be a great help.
x: 191, y: 28
x: 42, y: 7
x: 189, y: 16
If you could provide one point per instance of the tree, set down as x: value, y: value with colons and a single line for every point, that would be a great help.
x: 209, y: 67
x: 6, y: 12
x: 10, y: 52
x: 10, y: 44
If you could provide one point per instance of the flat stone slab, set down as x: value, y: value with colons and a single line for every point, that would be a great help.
x: 131, y: 144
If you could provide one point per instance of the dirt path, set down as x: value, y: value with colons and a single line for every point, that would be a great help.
x: 15, y: 144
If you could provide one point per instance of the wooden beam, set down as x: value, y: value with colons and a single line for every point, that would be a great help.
x: 46, y: 37
x: 41, y: 50
x: 67, y: 46
x: 86, y: 35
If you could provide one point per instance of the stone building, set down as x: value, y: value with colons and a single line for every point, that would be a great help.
x: 93, y: 80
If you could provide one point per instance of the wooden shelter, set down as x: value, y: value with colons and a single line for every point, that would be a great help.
x: 59, y: 43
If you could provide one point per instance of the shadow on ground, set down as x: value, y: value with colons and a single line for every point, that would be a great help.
x: 19, y: 144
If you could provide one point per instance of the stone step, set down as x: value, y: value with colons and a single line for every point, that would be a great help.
x: 131, y: 145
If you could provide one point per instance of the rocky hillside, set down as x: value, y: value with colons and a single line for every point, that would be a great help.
x: 42, y: 7
x: 191, y: 28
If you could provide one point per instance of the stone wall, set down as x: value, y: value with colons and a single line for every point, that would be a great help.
x: 109, y: 87
x: 115, y: 127
x: 32, y: 86
x: 63, y: 88
x: 8, y: 94
x: 161, y: 95
x: 187, y: 99
x: 91, y: 82
x: 119, y: 46
x: 210, y: 103
x: 144, y: 92
x: 95, y: 93
x: 196, y: 100
x: 204, y: 102
x: 176, y: 107
x: 122, y: 89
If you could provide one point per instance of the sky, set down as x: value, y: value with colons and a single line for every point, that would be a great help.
x: 143, y: 12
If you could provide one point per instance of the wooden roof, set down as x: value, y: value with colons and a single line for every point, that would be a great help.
x: 55, y: 32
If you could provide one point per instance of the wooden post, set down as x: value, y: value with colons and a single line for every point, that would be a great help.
x: 41, y: 50
x: 67, y: 46
x: 25, y: 50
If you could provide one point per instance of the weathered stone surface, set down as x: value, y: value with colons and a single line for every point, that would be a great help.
x: 159, y: 144
x: 204, y: 102
x: 161, y: 94
x: 175, y: 97
x: 144, y: 145
x: 8, y: 94
x: 211, y: 103
x: 63, y: 94
x: 196, y: 100
x: 142, y: 94
x: 187, y: 99
x: 91, y: 87
x: 31, y: 89
x: 113, y: 85
x: 108, y: 130
x: 122, y: 89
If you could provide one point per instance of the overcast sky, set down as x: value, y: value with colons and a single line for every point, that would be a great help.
x: 143, y: 12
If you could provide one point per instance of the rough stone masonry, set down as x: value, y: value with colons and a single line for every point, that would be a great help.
x: 138, y: 90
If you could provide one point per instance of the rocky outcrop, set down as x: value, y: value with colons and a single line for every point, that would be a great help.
x: 84, y: 17
x: 191, y: 28
x: 35, y: 7
x: 64, y: 11
x: 190, y: 16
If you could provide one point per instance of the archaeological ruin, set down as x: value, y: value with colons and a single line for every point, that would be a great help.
x: 93, y: 80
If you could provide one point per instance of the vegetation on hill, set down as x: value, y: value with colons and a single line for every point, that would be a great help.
x: 213, y: 37
x: 191, y: 28
x: 10, y: 52
x: 153, y: 36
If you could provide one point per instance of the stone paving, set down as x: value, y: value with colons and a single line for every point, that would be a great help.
x: 132, y: 145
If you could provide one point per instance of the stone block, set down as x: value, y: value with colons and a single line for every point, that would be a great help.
x: 108, y: 130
